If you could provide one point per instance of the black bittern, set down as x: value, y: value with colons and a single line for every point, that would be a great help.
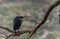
x: 17, y: 22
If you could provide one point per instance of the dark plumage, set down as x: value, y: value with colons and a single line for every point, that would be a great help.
x: 17, y: 22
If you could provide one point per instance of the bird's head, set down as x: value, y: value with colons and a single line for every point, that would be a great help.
x: 22, y: 17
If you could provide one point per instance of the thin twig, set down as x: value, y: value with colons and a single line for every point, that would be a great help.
x: 6, y: 29
x: 32, y: 31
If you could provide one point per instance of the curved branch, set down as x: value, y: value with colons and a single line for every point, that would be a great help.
x: 9, y: 36
x: 17, y: 33
x: 21, y: 32
x: 45, y: 17
x: 6, y: 29
x: 32, y: 31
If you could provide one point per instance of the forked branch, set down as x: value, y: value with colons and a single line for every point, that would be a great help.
x: 32, y: 31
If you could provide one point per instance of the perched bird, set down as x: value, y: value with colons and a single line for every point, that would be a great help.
x: 17, y: 22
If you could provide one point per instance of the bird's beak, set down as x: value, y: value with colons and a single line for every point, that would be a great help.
x: 24, y: 18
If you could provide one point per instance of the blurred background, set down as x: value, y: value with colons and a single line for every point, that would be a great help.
x: 34, y: 10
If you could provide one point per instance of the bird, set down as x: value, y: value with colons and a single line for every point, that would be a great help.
x: 17, y: 23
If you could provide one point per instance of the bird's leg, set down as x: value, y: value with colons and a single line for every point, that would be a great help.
x: 18, y: 30
x: 14, y: 32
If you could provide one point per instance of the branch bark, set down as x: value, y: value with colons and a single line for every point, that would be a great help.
x: 43, y: 20
x: 17, y: 33
x: 32, y: 31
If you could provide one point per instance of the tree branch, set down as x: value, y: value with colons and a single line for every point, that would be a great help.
x: 6, y: 29
x: 43, y: 20
x: 32, y: 31
x: 17, y: 33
